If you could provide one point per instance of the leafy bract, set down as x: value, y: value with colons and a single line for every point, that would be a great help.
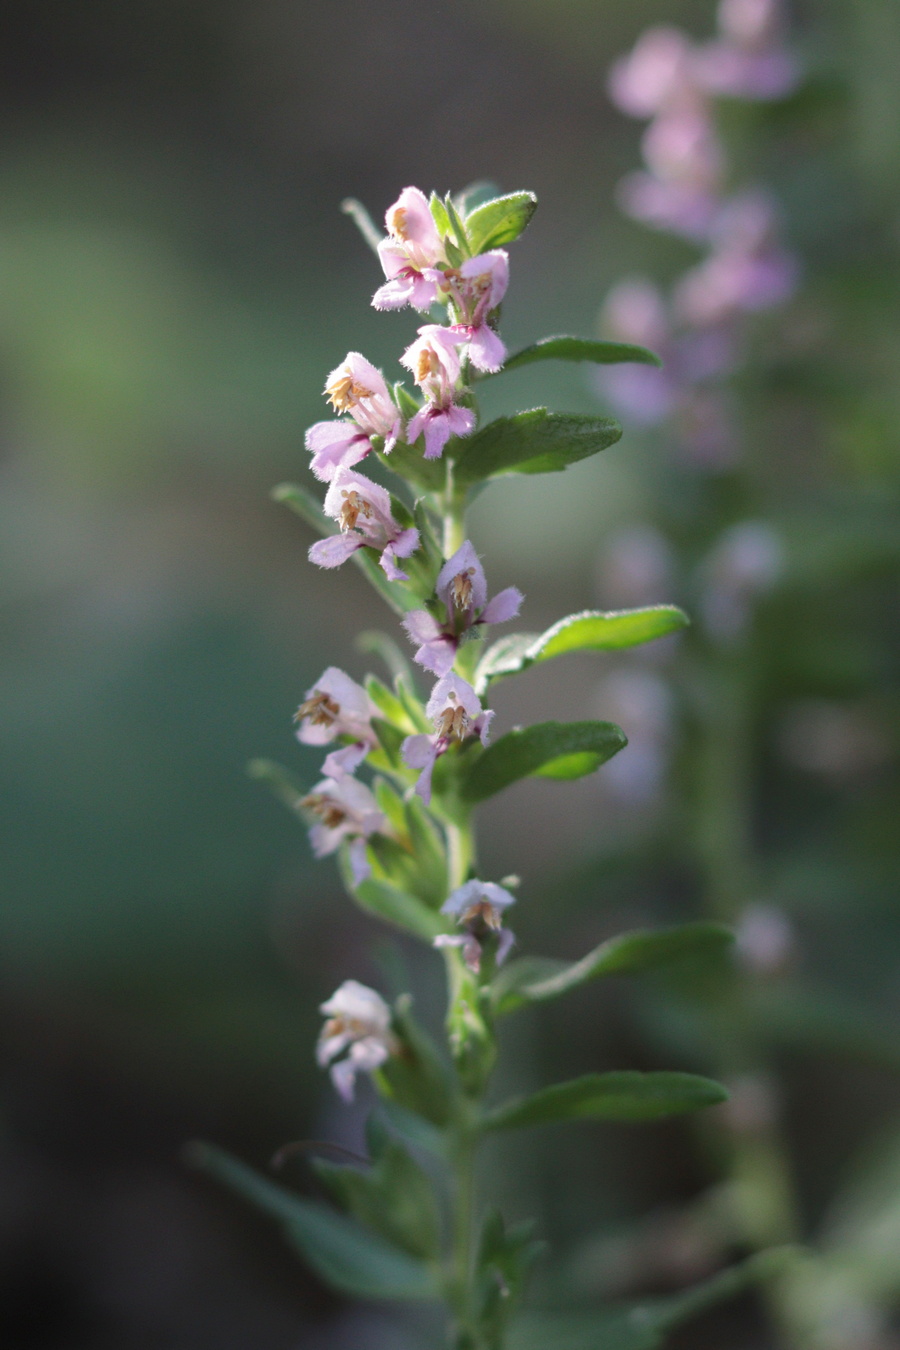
x: 644, y: 1325
x: 580, y: 349
x: 537, y: 441
x: 393, y: 1197
x: 590, y: 631
x: 629, y: 1096
x: 500, y: 221
x: 390, y: 903
x: 550, y: 749
x: 527, y: 981
x: 338, y: 1249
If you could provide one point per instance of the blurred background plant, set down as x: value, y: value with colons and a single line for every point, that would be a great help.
x: 175, y: 278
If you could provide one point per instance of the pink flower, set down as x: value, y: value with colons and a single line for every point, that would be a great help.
x: 363, y: 511
x: 462, y: 589
x: 357, y: 388
x: 678, y: 207
x: 456, y: 712
x: 747, y: 61
x: 358, y: 1018
x: 343, y: 809
x: 654, y: 75
x: 748, y: 270
x: 478, y: 908
x: 434, y: 360
x: 337, y: 706
x: 410, y: 255
x: 477, y: 287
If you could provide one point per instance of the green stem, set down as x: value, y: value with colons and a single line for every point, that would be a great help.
x: 454, y: 515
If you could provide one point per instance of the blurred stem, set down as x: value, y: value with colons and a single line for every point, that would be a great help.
x: 761, y: 1185
x: 454, y: 515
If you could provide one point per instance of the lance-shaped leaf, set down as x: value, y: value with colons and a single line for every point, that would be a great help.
x: 500, y: 221
x: 645, y: 1325
x: 389, y: 902
x: 393, y: 1197
x: 342, y: 1253
x: 410, y: 464
x: 580, y: 349
x: 591, y: 631
x: 629, y: 1096
x: 532, y: 442
x: 548, y: 749
x: 529, y: 981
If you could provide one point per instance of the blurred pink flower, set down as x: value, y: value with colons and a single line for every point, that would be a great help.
x: 358, y: 1018
x: 478, y: 907
x: 343, y: 809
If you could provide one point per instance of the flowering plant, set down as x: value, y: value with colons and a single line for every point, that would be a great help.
x: 415, y: 1226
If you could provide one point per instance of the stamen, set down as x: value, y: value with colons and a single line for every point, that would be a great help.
x: 397, y: 223
x: 486, y: 912
x: 321, y: 709
x: 344, y: 392
x: 326, y: 808
x: 461, y: 588
x: 427, y: 364
x: 354, y: 506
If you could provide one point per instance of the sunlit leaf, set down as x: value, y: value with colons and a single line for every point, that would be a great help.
x: 532, y: 442
x: 547, y: 745
x: 500, y: 221
x: 580, y: 349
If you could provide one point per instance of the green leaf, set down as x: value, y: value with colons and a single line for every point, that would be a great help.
x: 390, y: 903
x: 439, y: 215
x: 394, y: 1197
x: 411, y: 465
x: 590, y: 631
x: 580, y: 349
x: 428, y: 852
x: 474, y: 195
x: 504, y: 1258
x: 341, y: 1253
x: 280, y: 782
x: 532, y: 442
x: 390, y: 738
x: 372, y: 640
x: 644, y: 1325
x: 458, y: 228
x: 523, y: 982
x: 500, y: 221
x: 394, y: 710
x: 363, y: 222
x: 551, y: 748
x: 418, y: 1080
x: 304, y: 504
x: 627, y: 1096
x: 407, y: 405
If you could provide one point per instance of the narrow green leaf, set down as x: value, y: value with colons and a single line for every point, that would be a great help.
x: 628, y: 1096
x: 363, y: 222
x: 394, y: 1197
x: 500, y: 221
x: 419, y: 1080
x: 590, y: 631
x: 532, y: 442
x: 522, y: 982
x: 644, y: 1325
x: 410, y: 464
x: 279, y: 781
x: 475, y: 195
x: 343, y: 1254
x: 458, y: 228
x: 373, y: 640
x: 580, y: 349
x: 390, y: 738
x: 439, y: 215
x: 429, y: 853
x: 407, y: 405
x: 304, y: 504
x: 393, y: 905
x: 391, y: 706
x: 530, y: 750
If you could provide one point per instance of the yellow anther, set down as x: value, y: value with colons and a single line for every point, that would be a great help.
x: 461, y: 588
x: 354, y: 506
x: 396, y: 222
x: 344, y: 392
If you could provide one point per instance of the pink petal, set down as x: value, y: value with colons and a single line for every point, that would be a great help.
x: 418, y: 751
x: 393, y: 294
x: 407, y: 542
x: 465, y: 559
x: 486, y: 351
x: 460, y: 420
x: 333, y: 444
x: 359, y: 861
x: 437, y: 434
x: 504, y: 605
x: 421, y: 626
x: 346, y: 760
x: 437, y: 656
x: 336, y: 549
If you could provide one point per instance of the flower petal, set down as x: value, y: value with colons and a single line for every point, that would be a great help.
x: 503, y: 606
x: 336, y: 549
